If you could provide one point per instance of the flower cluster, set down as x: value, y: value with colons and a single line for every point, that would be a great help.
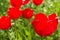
x: 42, y: 24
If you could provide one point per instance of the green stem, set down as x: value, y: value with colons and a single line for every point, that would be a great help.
x: 29, y: 30
x: 21, y: 33
x: 16, y: 32
x: 46, y: 38
x: 8, y: 35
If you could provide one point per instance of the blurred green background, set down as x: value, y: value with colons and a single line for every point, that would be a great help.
x: 22, y: 29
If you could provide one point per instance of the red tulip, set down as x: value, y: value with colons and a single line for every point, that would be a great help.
x: 25, y: 1
x: 16, y: 3
x: 5, y: 23
x: 27, y: 13
x: 14, y: 13
x: 45, y: 25
x: 37, y: 2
